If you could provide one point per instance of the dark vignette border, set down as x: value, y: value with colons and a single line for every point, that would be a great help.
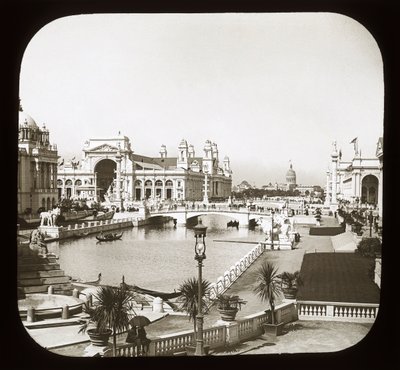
x: 23, y: 18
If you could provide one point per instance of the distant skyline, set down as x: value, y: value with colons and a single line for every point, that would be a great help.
x: 267, y: 88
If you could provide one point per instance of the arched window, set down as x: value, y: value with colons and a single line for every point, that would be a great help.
x: 59, y: 183
x: 53, y: 203
x: 138, y: 183
x: 78, y: 182
x: 148, y: 183
x: 158, y: 183
x: 169, y: 183
x: 68, y: 182
x: 43, y: 203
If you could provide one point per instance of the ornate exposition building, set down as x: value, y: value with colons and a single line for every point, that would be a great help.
x: 111, y: 171
x: 357, y: 181
x: 37, y: 167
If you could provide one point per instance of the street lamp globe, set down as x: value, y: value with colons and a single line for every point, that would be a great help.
x: 200, y: 247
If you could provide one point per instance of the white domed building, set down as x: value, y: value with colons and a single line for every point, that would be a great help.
x: 37, y: 167
x: 291, y: 178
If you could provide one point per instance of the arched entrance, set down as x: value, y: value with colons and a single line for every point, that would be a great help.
x: 138, y: 190
x: 105, y: 170
x: 369, y: 189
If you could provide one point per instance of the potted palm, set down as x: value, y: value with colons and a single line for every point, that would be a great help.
x: 188, y: 302
x: 290, y: 281
x: 268, y: 288
x: 228, y: 306
x: 109, y: 315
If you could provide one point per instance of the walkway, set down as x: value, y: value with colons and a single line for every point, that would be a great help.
x: 295, y: 340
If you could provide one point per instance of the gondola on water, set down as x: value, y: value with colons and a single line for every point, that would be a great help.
x: 108, y: 237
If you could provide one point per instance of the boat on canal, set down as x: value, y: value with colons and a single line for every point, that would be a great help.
x: 108, y: 237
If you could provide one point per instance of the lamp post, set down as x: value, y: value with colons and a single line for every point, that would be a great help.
x: 200, y: 255
x: 272, y: 229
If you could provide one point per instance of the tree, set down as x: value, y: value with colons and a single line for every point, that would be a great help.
x: 369, y: 247
x: 188, y: 300
x: 112, y: 309
x: 268, y: 286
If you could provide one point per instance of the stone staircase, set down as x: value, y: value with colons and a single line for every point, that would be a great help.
x: 36, y: 274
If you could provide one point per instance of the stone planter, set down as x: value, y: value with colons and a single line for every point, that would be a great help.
x: 289, y: 293
x: 271, y: 331
x: 99, y: 339
x: 191, y: 349
x: 229, y: 314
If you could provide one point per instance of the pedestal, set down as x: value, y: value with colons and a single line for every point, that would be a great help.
x: 51, y: 231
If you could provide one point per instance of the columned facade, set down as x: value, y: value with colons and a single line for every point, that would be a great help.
x: 110, y: 171
x: 360, y: 180
x: 37, y: 167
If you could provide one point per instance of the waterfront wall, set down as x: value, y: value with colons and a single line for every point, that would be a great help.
x: 85, y: 228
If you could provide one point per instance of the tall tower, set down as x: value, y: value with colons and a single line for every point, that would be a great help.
x: 327, y: 198
x: 334, y: 157
x: 208, y: 159
x: 191, y: 151
x: 183, y: 155
x: 227, y: 167
x: 214, y: 150
x: 163, y: 151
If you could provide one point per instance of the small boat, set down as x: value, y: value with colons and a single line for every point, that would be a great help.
x: 93, y: 282
x: 101, y: 216
x: 108, y: 237
x: 154, y: 293
x: 233, y: 224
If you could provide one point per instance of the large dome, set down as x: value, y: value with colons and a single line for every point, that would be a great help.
x: 26, y: 119
x: 291, y: 175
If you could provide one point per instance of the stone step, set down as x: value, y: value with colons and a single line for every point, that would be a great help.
x: 38, y: 267
x: 31, y: 260
x: 39, y: 274
x: 40, y: 281
x: 43, y: 288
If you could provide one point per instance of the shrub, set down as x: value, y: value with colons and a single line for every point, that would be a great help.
x: 369, y: 247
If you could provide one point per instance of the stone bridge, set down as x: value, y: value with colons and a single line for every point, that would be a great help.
x: 182, y: 215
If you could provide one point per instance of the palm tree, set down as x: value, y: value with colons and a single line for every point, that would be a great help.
x: 112, y: 309
x: 188, y: 299
x: 268, y: 286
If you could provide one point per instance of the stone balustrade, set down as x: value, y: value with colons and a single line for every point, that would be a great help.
x: 217, y: 336
x: 86, y: 228
x: 337, y: 311
x: 236, y: 270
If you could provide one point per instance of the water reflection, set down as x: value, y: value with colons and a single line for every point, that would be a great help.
x: 155, y: 257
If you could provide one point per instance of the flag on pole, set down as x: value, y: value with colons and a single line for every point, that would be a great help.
x: 73, y: 158
x: 353, y: 141
x: 62, y: 162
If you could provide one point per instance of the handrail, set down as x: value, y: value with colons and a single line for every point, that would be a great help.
x: 354, y: 304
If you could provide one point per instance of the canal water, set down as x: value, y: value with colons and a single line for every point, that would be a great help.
x: 157, y: 257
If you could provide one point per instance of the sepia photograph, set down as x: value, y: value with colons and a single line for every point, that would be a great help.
x: 200, y: 184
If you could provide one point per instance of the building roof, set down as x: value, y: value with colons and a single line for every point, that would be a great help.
x: 26, y: 119
x: 160, y: 163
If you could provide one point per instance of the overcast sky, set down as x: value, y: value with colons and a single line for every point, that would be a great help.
x: 267, y: 88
